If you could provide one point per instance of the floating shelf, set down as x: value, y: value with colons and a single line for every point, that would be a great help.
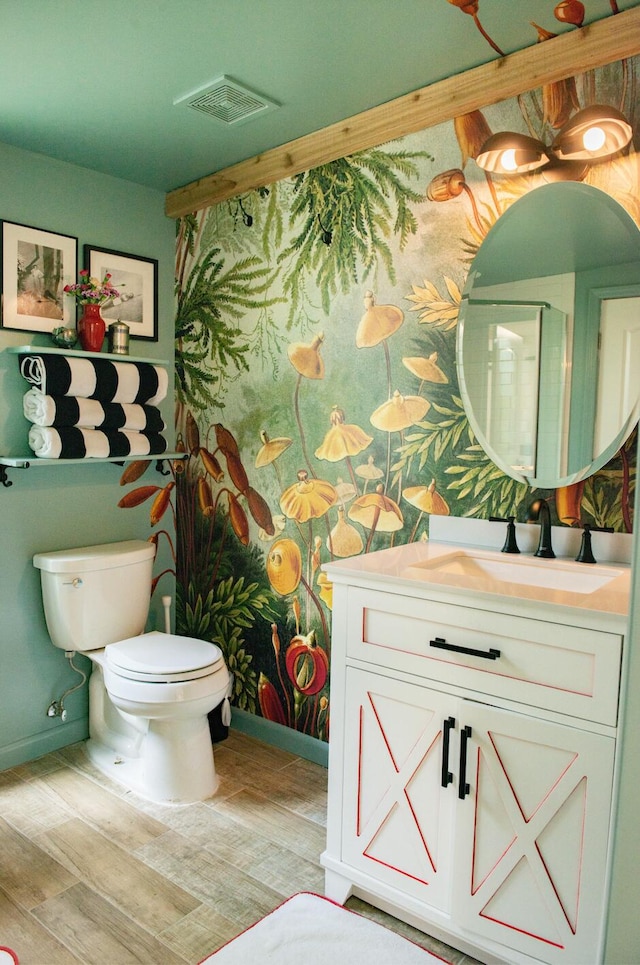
x: 32, y: 461
x: 78, y: 353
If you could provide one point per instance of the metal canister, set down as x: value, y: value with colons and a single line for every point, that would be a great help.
x: 119, y: 338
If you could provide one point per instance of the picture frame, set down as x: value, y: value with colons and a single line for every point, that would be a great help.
x: 36, y: 265
x: 136, y: 278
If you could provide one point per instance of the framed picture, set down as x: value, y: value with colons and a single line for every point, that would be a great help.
x: 36, y: 265
x: 136, y: 279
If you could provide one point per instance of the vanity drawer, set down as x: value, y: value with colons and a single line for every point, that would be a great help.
x: 567, y: 669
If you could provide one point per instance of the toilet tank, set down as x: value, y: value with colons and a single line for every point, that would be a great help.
x: 95, y: 595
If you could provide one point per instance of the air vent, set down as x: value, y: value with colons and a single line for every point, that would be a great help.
x: 227, y: 101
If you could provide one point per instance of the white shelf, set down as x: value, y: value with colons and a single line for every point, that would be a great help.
x: 78, y: 353
x: 33, y: 461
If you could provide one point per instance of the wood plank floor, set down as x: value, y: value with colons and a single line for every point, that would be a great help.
x: 92, y: 874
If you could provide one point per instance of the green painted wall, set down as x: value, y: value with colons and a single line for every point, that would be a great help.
x: 63, y: 506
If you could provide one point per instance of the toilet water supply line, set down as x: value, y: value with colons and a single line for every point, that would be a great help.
x: 57, y: 709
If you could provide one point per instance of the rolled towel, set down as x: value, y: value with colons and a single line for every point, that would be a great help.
x: 96, y: 378
x: 72, y: 442
x: 66, y: 410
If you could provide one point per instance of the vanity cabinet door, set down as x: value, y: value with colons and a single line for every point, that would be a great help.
x: 397, y: 814
x: 531, y: 837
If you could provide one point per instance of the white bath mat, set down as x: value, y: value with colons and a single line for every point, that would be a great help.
x: 308, y: 929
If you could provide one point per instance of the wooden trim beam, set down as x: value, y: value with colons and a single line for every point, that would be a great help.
x: 572, y: 53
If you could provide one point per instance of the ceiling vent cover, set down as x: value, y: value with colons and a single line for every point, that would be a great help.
x: 227, y: 101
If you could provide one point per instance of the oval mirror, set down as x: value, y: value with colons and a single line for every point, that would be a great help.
x: 548, y: 342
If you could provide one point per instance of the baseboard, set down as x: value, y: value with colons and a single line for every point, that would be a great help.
x: 302, y: 745
x: 30, y: 748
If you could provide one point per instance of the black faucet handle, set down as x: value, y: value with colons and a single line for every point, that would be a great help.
x: 510, y: 544
x: 586, y: 552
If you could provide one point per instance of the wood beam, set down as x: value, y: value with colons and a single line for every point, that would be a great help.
x: 572, y: 53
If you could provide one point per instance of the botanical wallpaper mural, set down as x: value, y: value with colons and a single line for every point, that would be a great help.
x: 318, y: 399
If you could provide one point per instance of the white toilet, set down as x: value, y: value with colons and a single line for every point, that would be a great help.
x: 149, y: 693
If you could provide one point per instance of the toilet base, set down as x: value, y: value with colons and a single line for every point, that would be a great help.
x: 175, y: 766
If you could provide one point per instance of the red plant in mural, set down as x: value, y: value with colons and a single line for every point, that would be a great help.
x: 161, y: 502
x: 471, y: 7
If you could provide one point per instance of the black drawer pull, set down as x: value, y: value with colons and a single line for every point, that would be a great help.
x: 463, y: 787
x: 447, y: 727
x: 441, y: 644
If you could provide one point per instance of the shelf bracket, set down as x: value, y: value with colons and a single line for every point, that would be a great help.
x: 4, y: 479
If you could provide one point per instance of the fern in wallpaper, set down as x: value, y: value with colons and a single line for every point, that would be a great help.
x: 317, y: 393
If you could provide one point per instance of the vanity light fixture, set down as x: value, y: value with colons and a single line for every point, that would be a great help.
x: 592, y: 134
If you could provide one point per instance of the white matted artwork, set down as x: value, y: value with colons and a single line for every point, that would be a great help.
x: 136, y: 279
x: 36, y: 265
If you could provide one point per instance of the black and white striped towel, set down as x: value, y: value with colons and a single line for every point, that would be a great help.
x: 72, y: 442
x: 67, y: 410
x: 96, y: 378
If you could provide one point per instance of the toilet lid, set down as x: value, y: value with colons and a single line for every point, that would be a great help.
x: 163, y: 657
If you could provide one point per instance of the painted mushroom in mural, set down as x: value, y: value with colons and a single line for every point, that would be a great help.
x: 342, y: 441
x: 426, y: 369
x: 344, y: 539
x: 377, y: 513
x: 428, y: 500
x: 270, y: 451
x: 284, y: 566
x: 450, y: 184
x: 309, y: 364
x: 369, y: 472
x: 306, y: 500
x: 377, y: 324
x: 396, y: 415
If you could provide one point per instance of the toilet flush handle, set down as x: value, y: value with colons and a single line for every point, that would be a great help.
x: 76, y: 582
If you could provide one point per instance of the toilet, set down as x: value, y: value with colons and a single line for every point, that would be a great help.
x: 149, y: 693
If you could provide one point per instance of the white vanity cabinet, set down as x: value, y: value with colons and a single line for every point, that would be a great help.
x: 471, y: 766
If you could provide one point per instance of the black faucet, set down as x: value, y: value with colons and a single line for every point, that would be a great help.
x: 510, y: 544
x: 586, y: 553
x: 539, y: 512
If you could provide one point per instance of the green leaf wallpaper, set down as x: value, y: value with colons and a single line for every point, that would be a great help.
x: 318, y: 398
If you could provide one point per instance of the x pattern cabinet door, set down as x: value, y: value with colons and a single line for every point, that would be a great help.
x: 531, y: 838
x: 399, y: 816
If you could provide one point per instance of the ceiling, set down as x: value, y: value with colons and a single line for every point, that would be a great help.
x: 94, y: 81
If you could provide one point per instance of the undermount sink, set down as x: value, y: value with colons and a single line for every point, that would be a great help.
x: 551, y: 574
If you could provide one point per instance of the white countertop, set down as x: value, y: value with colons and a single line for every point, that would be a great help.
x: 399, y: 569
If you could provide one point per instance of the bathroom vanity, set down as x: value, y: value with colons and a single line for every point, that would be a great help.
x: 474, y: 712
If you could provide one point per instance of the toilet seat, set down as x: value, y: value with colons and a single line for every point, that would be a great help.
x: 163, y: 658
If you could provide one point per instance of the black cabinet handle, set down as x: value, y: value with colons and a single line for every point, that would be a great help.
x: 441, y: 644
x: 463, y: 787
x: 447, y: 727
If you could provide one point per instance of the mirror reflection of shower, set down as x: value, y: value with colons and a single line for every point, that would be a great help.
x: 514, y: 359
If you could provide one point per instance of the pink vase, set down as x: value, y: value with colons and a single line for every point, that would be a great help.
x: 91, y: 328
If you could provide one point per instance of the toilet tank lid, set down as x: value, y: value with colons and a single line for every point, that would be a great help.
x: 99, y: 557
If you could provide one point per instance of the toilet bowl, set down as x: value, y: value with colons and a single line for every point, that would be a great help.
x: 149, y: 693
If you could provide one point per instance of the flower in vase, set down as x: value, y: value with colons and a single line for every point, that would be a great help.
x: 92, y: 291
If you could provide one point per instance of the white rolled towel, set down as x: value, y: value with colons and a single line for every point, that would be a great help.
x: 74, y: 442
x: 49, y: 410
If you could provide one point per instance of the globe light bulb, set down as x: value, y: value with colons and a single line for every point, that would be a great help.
x: 508, y: 160
x: 593, y: 138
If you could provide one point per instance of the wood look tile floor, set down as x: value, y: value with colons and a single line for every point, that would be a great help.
x: 92, y: 874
